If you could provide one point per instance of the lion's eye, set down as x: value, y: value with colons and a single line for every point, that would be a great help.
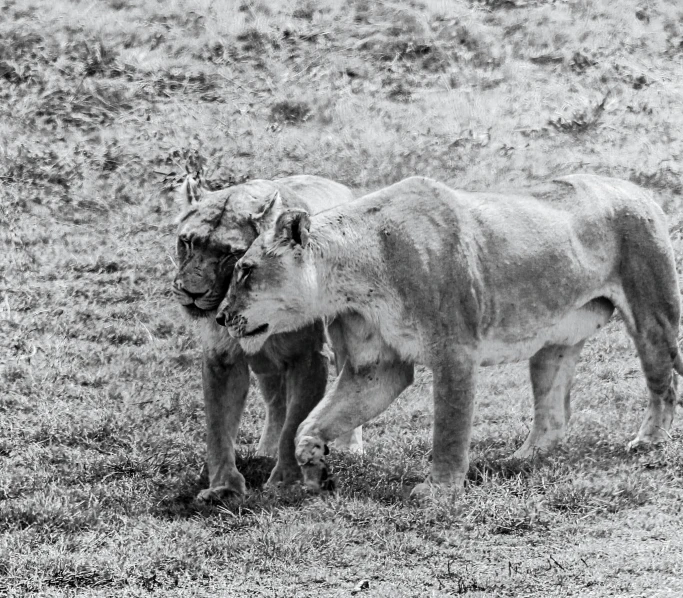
x: 183, y: 245
x: 244, y: 272
x: 231, y: 254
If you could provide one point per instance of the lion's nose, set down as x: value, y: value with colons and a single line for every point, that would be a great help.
x: 221, y: 319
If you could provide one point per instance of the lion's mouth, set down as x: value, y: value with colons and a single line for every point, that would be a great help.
x: 237, y: 329
x: 238, y: 325
x: 201, y: 306
x: 256, y: 331
x: 198, y: 305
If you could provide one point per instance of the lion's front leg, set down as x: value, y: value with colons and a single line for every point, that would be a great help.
x: 349, y: 441
x: 274, y: 391
x: 454, y: 382
x: 305, y: 382
x: 357, y: 396
x: 225, y: 378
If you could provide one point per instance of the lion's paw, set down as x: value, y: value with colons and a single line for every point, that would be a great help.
x: 221, y: 494
x: 528, y: 452
x: 422, y: 492
x: 644, y: 443
x: 311, y: 451
x: 317, y: 479
x: 655, y: 438
x: 428, y: 491
x: 636, y: 444
x: 283, y: 475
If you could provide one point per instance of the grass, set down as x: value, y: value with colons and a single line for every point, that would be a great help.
x: 103, y: 106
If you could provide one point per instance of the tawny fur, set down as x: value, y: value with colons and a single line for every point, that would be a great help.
x: 214, y: 230
x: 421, y: 273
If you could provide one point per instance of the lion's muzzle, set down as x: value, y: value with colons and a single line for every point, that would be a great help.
x: 238, y: 326
x: 235, y: 323
x: 185, y: 296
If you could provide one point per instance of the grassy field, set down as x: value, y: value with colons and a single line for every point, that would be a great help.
x: 102, y: 106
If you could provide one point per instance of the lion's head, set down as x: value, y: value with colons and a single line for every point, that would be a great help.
x: 215, y: 229
x: 274, y: 288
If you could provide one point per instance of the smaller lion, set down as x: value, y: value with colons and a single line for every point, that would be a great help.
x: 422, y: 273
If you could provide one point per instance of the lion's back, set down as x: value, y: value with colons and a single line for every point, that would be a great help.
x: 318, y: 193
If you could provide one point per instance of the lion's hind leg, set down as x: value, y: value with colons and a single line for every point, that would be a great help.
x: 658, y: 365
x: 552, y: 372
x: 350, y: 441
x: 652, y: 314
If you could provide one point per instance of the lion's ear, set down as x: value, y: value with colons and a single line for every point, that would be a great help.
x: 293, y: 226
x: 265, y: 217
x: 190, y: 193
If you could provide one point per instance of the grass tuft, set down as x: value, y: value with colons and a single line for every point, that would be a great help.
x: 290, y: 112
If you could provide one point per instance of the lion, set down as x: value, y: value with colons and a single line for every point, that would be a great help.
x: 214, y: 230
x: 419, y: 273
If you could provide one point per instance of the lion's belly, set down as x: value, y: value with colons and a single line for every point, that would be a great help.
x: 574, y: 327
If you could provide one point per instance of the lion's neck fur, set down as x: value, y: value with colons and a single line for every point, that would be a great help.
x: 353, y: 288
x: 348, y: 276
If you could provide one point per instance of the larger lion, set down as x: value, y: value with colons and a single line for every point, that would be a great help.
x: 421, y: 273
x: 214, y: 230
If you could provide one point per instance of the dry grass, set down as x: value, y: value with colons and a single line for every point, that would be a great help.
x: 102, y: 106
